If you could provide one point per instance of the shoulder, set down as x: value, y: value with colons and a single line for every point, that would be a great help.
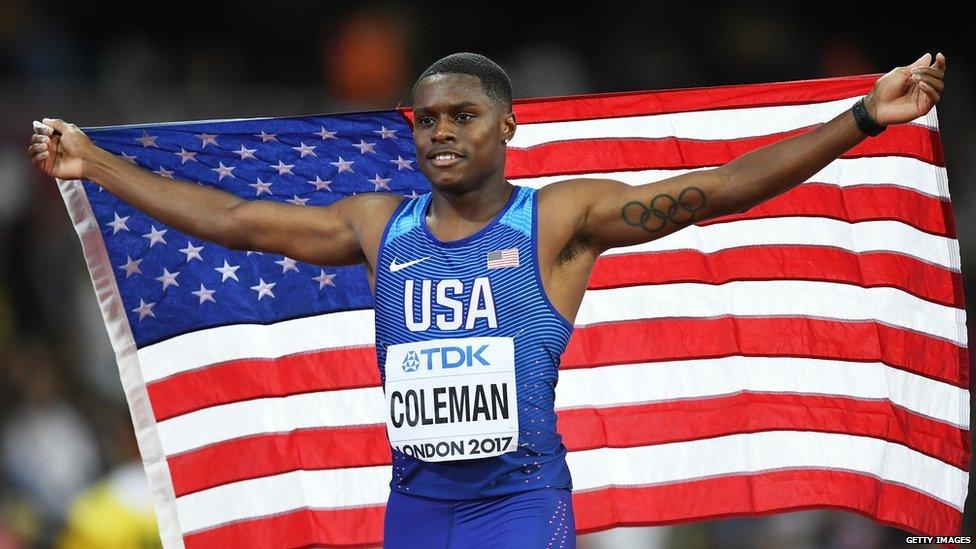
x: 369, y: 212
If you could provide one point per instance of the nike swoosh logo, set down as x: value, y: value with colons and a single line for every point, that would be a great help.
x: 394, y: 266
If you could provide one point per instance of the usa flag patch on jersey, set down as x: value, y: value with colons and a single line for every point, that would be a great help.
x: 500, y: 259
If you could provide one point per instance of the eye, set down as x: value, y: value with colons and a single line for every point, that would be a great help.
x: 425, y: 121
x: 463, y: 117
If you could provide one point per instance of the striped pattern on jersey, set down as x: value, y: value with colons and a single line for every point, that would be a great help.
x: 524, y: 313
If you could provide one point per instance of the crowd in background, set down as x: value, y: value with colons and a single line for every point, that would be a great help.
x: 68, y: 460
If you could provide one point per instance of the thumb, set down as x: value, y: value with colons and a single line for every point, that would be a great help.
x: 923, y: 61
x: 59, y: 125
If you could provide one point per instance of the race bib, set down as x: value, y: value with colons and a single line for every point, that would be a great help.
x: 452, y: 399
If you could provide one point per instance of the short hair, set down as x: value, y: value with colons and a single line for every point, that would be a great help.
x: 494, y: 79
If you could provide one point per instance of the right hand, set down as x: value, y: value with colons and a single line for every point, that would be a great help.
x: 59, y: 149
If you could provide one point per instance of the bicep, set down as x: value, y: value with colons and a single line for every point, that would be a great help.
x: 321, y: 235
x: 622, y: 215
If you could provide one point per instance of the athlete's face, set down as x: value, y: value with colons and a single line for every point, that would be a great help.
x: 459, y: 132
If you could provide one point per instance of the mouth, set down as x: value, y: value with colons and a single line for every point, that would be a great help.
x: 444, y: 159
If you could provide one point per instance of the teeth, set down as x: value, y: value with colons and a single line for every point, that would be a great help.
x: 445, y: 157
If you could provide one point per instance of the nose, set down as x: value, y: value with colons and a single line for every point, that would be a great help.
x: 442, y: 132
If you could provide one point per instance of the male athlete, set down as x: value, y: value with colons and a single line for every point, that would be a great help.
x: 477, y: 283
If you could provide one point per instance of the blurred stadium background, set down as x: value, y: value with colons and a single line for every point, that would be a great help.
x: 70, y: 475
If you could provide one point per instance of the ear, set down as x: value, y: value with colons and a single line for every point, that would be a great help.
x: 509, y: 124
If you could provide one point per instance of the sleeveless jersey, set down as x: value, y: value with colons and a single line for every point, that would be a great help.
x: 468, y: 346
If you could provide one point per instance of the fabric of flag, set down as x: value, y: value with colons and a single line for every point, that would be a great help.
x: 809, y: 352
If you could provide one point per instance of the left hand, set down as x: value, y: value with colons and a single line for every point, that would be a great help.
x: 906, y: 93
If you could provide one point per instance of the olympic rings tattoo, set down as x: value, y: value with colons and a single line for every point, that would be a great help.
x: 652, y: 218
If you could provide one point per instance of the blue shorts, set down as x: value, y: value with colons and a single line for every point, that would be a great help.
x: 535, y: 519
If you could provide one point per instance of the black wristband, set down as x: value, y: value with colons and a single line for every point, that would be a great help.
x: 864, y: 120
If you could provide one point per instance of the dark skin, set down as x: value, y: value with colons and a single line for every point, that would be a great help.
x: 578, y: 218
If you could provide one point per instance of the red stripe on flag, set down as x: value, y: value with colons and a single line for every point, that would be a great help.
x: 237, y: 380
x: 764, y: 493
x: 690, y: 338
x: 867, y: 269
x: 595, y: 106
x: 854, y: 204
x: 581, y: 156
x: 263, y: 455
x: 584, y: 429
x: 354, y: 527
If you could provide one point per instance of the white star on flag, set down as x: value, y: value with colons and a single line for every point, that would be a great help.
x: 119, y: 223
x: 321, y: 185
x: 297, y: 201
x: 246, y: 152
x: 324, y: 279
x: 413, y: 194
x: 402, y: 163
x: 155, y: 236
x: 385, y: 133
x: 287, y: 264
x: 343, y: 165
x: 204, y: 294
x: 249, y: 252
x: 261, y: 187
x: 148, y: 140
x: 228, y: 271
x: 144, y: 309
x: 305, y: 150
x: 130, y: 158
x: 223, y: 170
x: 186, y: 155
x: 207, y: 139
x: 164, y: 172
x: 283, y: 168
x: 379, y: 183
x: 168, y: 279
x: 365, y: 147
x: 326, y: 134
x: 265, y: 137
x: 131, y: 266
x: 264, y: 288
x: 192, y: 252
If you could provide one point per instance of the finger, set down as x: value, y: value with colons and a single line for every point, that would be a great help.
x: 922, y: 61
x: 60, y: 125
x: 933, y: 83
x: 43, y: 129
x: 940, y: 61
x: 39, y: 138
x: 930, y: 91
x: 931, y: 71
x: 39, y: 158
x: 37, y: 148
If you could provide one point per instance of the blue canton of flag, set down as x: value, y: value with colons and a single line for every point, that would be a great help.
x: 171, y: 283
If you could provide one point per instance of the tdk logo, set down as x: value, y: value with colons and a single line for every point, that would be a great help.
x: 445, y: 358
x: 411, y: 362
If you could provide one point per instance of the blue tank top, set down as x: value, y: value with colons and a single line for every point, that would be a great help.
x: 468, y: 346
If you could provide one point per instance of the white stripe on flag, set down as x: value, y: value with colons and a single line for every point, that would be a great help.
x: 619, y: 385
x: 241, y: 341
x: 897, y: 171
x: 864, y: 236
x: 766, y: 298
x: 718, y: 124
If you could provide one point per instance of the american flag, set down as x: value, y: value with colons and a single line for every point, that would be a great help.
x: 500, y: 259
x: 810, y: 352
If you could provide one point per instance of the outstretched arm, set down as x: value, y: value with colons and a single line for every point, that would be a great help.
x: 319, y: 235
x: 615, y: 214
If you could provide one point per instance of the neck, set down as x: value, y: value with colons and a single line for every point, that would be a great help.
x: 474, y: 206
